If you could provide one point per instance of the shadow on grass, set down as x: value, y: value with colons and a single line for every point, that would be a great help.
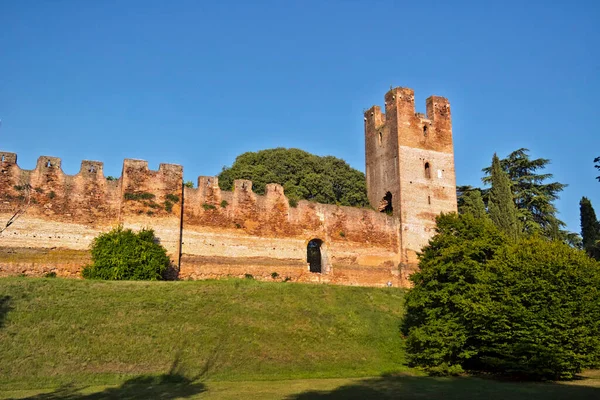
x: 4, y: 308
x: 172, y: 385
x: 407, y: 387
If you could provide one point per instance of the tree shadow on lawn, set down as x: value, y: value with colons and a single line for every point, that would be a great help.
x: 4, y: 308
x: 166, y: 386
x: 408, y: 387
x: 172, y: 385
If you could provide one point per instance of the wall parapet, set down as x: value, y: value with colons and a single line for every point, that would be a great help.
x: 68, y: 211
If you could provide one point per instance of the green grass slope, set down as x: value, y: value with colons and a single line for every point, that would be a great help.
x: 58, y: 331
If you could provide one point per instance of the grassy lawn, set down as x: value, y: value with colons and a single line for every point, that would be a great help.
x: 57, y: 331
x: 89, y: 340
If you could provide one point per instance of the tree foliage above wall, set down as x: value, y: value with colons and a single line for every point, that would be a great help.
x: 328, y: 179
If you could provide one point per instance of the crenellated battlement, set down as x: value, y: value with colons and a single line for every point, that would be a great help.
x: 8, y: 158
x: 211, y: 233
x: 89, y: 169
x: 410, y: 164
x: 401, y: 125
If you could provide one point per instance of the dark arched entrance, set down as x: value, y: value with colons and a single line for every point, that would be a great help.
x: 313, y: 255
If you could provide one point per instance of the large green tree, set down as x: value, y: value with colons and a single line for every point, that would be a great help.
x: 303, y: 175
x: 501, y: 206
x: 533, y: 195
x: 482, y: 302
x: 590, y: 228
x: 446, y: 292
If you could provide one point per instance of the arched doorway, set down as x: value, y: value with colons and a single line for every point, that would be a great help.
x: 313, y: 255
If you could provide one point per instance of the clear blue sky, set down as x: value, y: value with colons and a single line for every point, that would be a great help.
x: 198, y: 83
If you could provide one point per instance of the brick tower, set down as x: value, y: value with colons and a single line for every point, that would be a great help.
x: 410, y: 166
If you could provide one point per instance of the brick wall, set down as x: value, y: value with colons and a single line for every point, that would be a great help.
x: 208, y: 233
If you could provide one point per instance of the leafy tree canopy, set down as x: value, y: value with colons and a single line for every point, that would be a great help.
x: 303, y: 175
x: 481, y: 302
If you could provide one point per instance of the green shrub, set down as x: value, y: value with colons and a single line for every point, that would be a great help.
x: 50, y: 274
x: 207, y: 206
x: 122, y: 254
x: 189, y: 184
x: 248, y: 276
x: 274, y: 275
x: 293, y: 202
x: 111, y: 178
x: 138, y: 196
x: 479, y: 302
x: 51, y: 195
x: 173, y: 198
x: 224, y: 203
x: 168, y: 206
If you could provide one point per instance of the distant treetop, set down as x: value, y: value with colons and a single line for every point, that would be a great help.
x: 327, y: 179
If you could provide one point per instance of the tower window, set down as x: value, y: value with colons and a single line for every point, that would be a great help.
x: 380, y: 138
x: 427, y: 171
x: 424, y: 130
x: 385, y: 205
x: 428, y: 199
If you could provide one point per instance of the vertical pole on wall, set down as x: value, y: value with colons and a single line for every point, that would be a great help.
x: 180, y: 247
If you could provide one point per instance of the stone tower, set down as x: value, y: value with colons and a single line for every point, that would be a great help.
x: 410, y: 166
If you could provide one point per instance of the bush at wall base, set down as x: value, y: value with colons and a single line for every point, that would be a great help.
x: 122, y: 254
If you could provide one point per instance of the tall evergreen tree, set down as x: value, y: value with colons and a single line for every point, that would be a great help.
x: 501, y: 206
x: 590, y: 228
x: 597, y: 160
x: 533, y: 196
x: 472, y: 203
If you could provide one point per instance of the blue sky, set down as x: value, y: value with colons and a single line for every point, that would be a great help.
x: 198, y: 83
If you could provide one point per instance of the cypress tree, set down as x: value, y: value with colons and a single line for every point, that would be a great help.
x: 533, y: 193
x: 590, y: 228
x: 501, y: 206
x: 472, y: 203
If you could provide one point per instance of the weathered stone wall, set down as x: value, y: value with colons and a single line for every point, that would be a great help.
x: 411, y: 156
x: 207, y: 232
x: 210, y: 234
x: 64, y: 212
x: 239, y: 232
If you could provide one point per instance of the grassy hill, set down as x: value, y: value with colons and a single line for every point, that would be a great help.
x: 90, y: 340
x: 57, y: 331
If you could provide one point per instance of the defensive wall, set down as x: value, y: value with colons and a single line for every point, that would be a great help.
x: 207, y: 232
x: 210, y: 233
